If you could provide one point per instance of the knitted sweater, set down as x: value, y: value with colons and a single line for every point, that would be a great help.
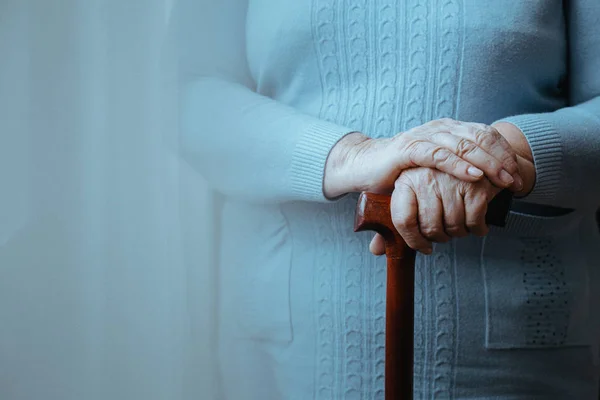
x: 271, y: 86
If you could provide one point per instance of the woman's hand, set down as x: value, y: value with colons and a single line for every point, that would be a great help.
x: 431, y: 206
x: 449, y: 189
x: 467, y: 151
x: 517, y: 140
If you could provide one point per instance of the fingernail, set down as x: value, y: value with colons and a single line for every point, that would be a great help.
x: 518, y: 182
x: 506, y: 177
x: 476, y: 172
x: 427, y: 251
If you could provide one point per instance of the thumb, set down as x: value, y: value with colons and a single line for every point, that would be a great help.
x: 377, y: 246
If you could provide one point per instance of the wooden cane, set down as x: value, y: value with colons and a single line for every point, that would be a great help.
x: 373, y: 213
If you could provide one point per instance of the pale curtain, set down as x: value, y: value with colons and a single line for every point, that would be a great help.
x: 106, y: 268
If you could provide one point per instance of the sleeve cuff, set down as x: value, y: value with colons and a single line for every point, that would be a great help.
x: 309, y: 158
x: 546, y: 146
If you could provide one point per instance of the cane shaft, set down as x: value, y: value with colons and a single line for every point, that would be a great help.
x: 399, y: 327
x: 373, y: 213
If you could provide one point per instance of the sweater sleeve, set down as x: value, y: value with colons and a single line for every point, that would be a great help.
x: 566, y: 143
x: 245, y: 145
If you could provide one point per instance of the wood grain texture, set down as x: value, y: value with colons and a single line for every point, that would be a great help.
x: 373, y: 213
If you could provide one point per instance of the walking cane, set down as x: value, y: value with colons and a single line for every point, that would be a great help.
x: 373, y: 213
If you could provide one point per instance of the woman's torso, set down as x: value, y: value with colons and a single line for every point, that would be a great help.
x: 510, y: 313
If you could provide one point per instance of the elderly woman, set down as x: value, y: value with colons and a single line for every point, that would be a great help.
x: 290, y: 107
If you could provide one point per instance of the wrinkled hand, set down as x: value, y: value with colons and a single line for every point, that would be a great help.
x: 467, y: 151
x: 517, y: 140
x: 431, y: 206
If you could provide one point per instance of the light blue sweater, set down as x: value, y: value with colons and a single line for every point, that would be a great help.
x: 271, y: 86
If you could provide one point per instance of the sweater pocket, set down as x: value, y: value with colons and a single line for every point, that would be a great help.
x: 536, y: 292
x: 255, y: 273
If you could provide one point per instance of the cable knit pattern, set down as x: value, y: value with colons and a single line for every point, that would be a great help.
x: 325, y: 33
x: 353, y: 316
x: 324, y: 37
x: 450, y: 56
x: 285, y: 81
x: 388, y: 77
x: 359, y: 64
x: 418, y: 71
x: 319, y: 69
x: 445, y: 323
x: 325, y: 314
x: 359, y: 47
x: 448, y: 81
x: 420, y: 339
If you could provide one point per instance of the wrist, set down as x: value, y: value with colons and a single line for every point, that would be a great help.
x: 339, y: 177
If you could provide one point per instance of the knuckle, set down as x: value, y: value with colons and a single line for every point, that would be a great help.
x: 429, y: 231
x: 472, y: 223
x: 457, y: 163
x: 447, y: 121
x: 492, y: 167
x: 509, y: 161
x: 484, y: 138
x: 475, y: 200
x: 404, y: 183
x: 434, y: 233
x: 455, y: 231
x: 464, y: 189
x: 465, y: 147
x: 413, y: 147
x: 510, y: 156
x: 440, y: 155
x: 493, y: 130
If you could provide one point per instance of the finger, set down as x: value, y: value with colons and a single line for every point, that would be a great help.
x: 499, y: 146
x: 476, y: 202
x: 377, y: 246
x: 454, y: 214
x: 431, y: 214
x: 423, y: 153
x: 405, y: 211
x: 489, y: 139
x: 474, y: 154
